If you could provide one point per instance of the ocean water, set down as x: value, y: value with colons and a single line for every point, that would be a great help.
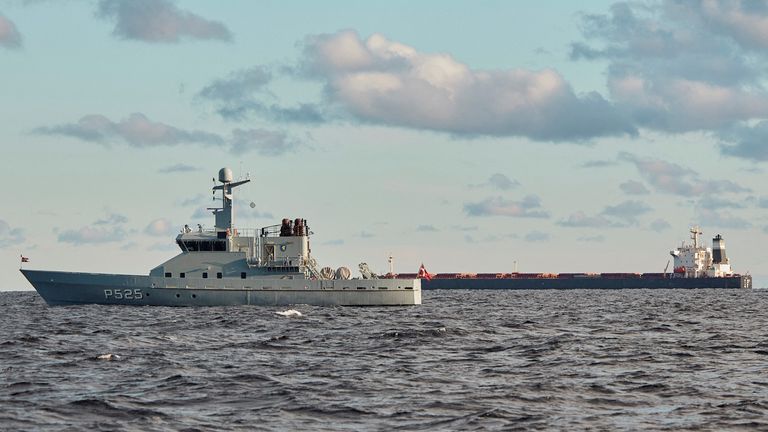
x: 464, y: 360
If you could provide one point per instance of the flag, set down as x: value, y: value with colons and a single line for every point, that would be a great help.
x: 24, y: 259
x: 423, y: 273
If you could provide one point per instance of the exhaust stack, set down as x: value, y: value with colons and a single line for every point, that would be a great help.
x: 718, y: 250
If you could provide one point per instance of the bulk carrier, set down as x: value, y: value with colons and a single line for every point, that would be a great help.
x: 695, y: 266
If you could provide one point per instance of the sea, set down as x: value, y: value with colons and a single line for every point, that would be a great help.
x: 609, y: 360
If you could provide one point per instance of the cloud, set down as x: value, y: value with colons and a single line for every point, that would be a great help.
x: 659, y: 225
x: 112, y: 219
x: 747, y: 142
x: 616, y: 216
x: 722, y: 219
x: 426, y: 228
x: 159, y: 227
x: 674, y: 179
x: 365, y: 234
x: 598, y: 164
x: 92, y: 235
x: 380, y: 81
x: 199, y: 199
x: 158, y: 21
x: 592, y: 239
x: 240, y: 93
x: 716, y: 202
x: 178, y: 168
x: 201, y: 213
x: 136, y: 131
x: 104, y: 230
x: 580, y: 220
x: 536, y: 236
x: 465, y: 228
x: 499, y: 181
x: 140, y: 132
x: 238, y: 86
x: 743, y: 21
x: 763, y: 202
x: 263, y: 142
x: 10, y: 236
x: 490, y: 238
x: 529, y: 207
x: 627, y: 211
x: 632, y: 187
x: 680, y: 66
x: 9, y: 35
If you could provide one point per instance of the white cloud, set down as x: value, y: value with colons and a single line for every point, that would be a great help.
x: 159, y: 227
x: 386, y: 82
x: 680, y: 66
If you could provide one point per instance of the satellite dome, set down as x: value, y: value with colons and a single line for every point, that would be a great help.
x: 225, y: 175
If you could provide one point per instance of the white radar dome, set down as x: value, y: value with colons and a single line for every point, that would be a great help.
x: 225, y: 175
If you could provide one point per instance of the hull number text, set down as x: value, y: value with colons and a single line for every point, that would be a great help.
x: 123, y: 294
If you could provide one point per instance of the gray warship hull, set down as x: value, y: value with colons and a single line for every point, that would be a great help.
x: 69, y: 288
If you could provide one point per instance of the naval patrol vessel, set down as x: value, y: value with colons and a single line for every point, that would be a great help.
x: 226, y: 266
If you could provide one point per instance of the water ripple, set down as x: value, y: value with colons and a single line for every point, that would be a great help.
x: 484, y: 360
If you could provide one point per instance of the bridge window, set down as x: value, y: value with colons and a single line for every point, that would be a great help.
x: 219, y: 275
x: 202, y: 245
x: 242, y: 275
x: 168, y: 274
x: 205, y: 275
x: 181, y: 275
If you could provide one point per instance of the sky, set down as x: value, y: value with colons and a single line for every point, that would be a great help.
x: 546, y: 136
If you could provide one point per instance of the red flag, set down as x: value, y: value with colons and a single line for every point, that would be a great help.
x: 423, y: 273
x: 24, y: 259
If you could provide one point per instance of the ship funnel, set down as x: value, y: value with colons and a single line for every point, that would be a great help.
x: 718, y: 250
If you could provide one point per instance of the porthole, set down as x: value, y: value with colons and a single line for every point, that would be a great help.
x: 194, y: 295
x: 178, y: 295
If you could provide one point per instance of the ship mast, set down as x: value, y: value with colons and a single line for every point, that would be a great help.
x: 225, y: 216
x: 695, y: 233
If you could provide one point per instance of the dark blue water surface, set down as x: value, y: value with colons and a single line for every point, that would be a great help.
x: 464, y: 360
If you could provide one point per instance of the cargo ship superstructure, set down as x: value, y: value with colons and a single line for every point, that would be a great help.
x: 695, y: 266
x: 230, y: 266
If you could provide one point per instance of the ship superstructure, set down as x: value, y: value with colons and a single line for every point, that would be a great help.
x: 693, y: 260
x: 230, y: 266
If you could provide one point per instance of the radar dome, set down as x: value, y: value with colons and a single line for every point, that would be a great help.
x: 225, y: 175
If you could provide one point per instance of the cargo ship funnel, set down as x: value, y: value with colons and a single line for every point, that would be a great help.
x: 718, y: 250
